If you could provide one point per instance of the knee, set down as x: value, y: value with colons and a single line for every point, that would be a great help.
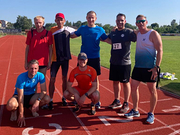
x: 66, y: 93
x: 11, y: 106
x: 46, y: 99
x: 96, y: 95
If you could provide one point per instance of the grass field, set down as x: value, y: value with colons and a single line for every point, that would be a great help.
x: 170, y: 62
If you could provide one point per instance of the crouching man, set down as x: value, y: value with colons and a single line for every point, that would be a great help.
x: 25, y: 93
x: 86, y: 77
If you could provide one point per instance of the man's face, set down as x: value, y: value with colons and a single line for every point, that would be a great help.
x: 82, y: 62
x: 39, y: 23
x: 141, y: 23
x: 91, y: 18
x: 32, y: 70
x: 120, y: 22
x: 60, y: 22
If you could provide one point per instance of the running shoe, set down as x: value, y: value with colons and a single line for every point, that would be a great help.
x: 93, y: 110
x: 116, y: 104
x: 124, y: 108
x: 150, y: 118
x: 132, y: 114
x: 64, y: 103
x: 98, y: 105
x: 51, y: 105
x: 77, y: 108
x: 45, y: 106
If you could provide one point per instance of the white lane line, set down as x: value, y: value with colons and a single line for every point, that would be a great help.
x: 5, y: 86
x: 78, y: 119
x: 166, y: 99
x: 154, y: 129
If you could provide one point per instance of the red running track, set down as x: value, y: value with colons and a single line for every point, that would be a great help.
x: 62, y: 120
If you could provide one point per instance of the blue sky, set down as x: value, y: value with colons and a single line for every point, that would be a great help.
x: 156, y: 11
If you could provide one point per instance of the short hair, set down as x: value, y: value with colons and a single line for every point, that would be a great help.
x: 91, y: 12
x: 38, y: 17
x: 140, y: 16
x: 33, y: 62
x: 120, y: 14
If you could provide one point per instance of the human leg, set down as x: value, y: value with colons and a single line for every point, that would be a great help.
x: 12, y: 106
x: 95, y: 97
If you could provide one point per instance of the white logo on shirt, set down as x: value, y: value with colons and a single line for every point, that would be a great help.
x: 122, y: 35
x: 33, y: 80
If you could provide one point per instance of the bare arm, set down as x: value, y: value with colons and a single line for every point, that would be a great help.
x: 35, y: 106
x: 26, y: 55
x: 73, y: 35
x: 108, y: 40
x: 21, y: 119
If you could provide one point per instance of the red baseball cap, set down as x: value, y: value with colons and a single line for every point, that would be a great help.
x: 60, y: 15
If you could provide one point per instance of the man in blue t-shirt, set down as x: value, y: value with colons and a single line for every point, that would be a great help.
x: 91, y: 35
x: 25, y: 93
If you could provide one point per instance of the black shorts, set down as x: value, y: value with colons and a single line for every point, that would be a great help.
x: 95, y: 63
x: 55, y: 67
x: 27, y: 99
x: 120, y: 73
x: 41, y: 67
x: 142, y: 74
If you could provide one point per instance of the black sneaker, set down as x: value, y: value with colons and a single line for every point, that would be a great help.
x: 64, y: 103
x: 115, y: 104
x: 77, y: 108
x: 124, y: 108
x: 51, y: 105
x: 93, y: 110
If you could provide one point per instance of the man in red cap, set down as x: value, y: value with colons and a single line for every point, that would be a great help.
x: 61, y: 54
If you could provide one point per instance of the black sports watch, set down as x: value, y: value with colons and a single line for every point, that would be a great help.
x: 86, y: 94
x: 39, y: 99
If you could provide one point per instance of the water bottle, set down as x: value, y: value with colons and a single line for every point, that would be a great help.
x: 173, y: 76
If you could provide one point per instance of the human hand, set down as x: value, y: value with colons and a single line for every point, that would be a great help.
x: 154, y: 73
x: 21, y: 121
x: 81, y: 100
x: 35, y: 106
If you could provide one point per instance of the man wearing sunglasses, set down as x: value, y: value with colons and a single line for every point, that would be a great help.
x: 147, y: 61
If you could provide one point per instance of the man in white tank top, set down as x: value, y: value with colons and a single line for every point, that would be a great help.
x: 147, y: 61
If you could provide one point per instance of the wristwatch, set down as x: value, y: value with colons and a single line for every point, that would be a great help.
x: 39, y: 99
x: 86, y: 94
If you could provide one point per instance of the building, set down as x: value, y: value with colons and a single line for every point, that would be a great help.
x: 3, y: 24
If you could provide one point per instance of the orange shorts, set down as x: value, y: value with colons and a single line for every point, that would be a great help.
x: 81, y: 92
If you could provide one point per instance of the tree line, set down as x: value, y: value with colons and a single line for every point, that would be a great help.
x: 24, y: 23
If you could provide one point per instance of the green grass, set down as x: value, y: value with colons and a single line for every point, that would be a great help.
x: 170, y: 62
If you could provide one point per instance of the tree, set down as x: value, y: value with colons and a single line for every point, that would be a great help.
x: 107, y: 28
x: 68, y: 23
x: 154, y: 25
x: 77, y: 24
x: 127, y: 25
x: 10, y: 25
x: 49, y: 25
x: 23, y: 23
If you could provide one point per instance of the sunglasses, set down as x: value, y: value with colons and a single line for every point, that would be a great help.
x: 139, y: 21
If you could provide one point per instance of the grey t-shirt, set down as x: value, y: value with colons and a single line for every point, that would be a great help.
x: 121, y: 42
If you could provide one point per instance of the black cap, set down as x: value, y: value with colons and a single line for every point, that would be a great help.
x: 82, y: 56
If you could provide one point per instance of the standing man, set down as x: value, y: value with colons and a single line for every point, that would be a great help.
x: 120, y: 62
x: 61, y: 55
x: 91, y: 35
x: 147, y: 62
x: 25, y: 96
x: 86, y: 77
x: 39, y: 45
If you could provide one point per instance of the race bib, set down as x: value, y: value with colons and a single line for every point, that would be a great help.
x: 117, y: 46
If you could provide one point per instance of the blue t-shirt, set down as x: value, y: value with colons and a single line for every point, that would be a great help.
x: 28, y: 84
x: 91, y: 37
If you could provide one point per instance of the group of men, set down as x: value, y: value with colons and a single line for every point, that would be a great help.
x: 51, y: 50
